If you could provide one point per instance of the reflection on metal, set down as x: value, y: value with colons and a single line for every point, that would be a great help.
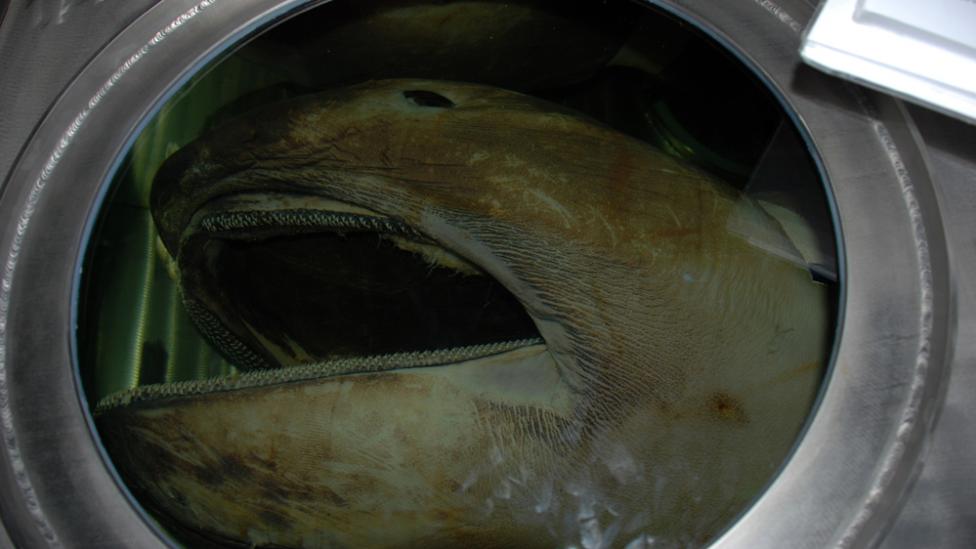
x: 651, y: 90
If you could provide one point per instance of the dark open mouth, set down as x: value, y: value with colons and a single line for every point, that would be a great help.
x: 289, y: 280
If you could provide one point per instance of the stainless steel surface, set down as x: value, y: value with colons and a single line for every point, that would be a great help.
x: 846, y: 480
x: 941, y: 509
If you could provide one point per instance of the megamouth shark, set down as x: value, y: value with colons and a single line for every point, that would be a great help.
x: 675, y: 345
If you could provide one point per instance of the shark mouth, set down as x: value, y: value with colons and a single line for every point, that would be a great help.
x: 278, y: 280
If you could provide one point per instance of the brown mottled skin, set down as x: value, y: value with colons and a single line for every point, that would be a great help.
x: 675, y: 376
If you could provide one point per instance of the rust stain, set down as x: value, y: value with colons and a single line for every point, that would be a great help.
x: 725, y: 407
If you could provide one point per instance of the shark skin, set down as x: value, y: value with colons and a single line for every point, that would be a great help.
x: 680, y: 358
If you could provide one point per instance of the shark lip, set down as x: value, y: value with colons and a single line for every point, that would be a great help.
x: 318, y: 371
x: 266, y: 213
x: 281, y: 280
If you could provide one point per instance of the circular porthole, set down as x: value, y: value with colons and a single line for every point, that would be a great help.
x: 501, y: 274
x: 528, y: 273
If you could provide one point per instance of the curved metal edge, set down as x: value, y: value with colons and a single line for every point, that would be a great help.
x: 903, y: 464
x: 28, y: 492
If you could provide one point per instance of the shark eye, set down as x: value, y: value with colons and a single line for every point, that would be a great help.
x: 424, y: 98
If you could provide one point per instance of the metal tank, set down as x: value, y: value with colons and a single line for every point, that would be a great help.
x: 883, y: 461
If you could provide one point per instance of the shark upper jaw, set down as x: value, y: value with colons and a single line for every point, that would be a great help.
x: 268, y: 213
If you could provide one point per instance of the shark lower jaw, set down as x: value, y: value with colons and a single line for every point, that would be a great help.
x: 281, y: 280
